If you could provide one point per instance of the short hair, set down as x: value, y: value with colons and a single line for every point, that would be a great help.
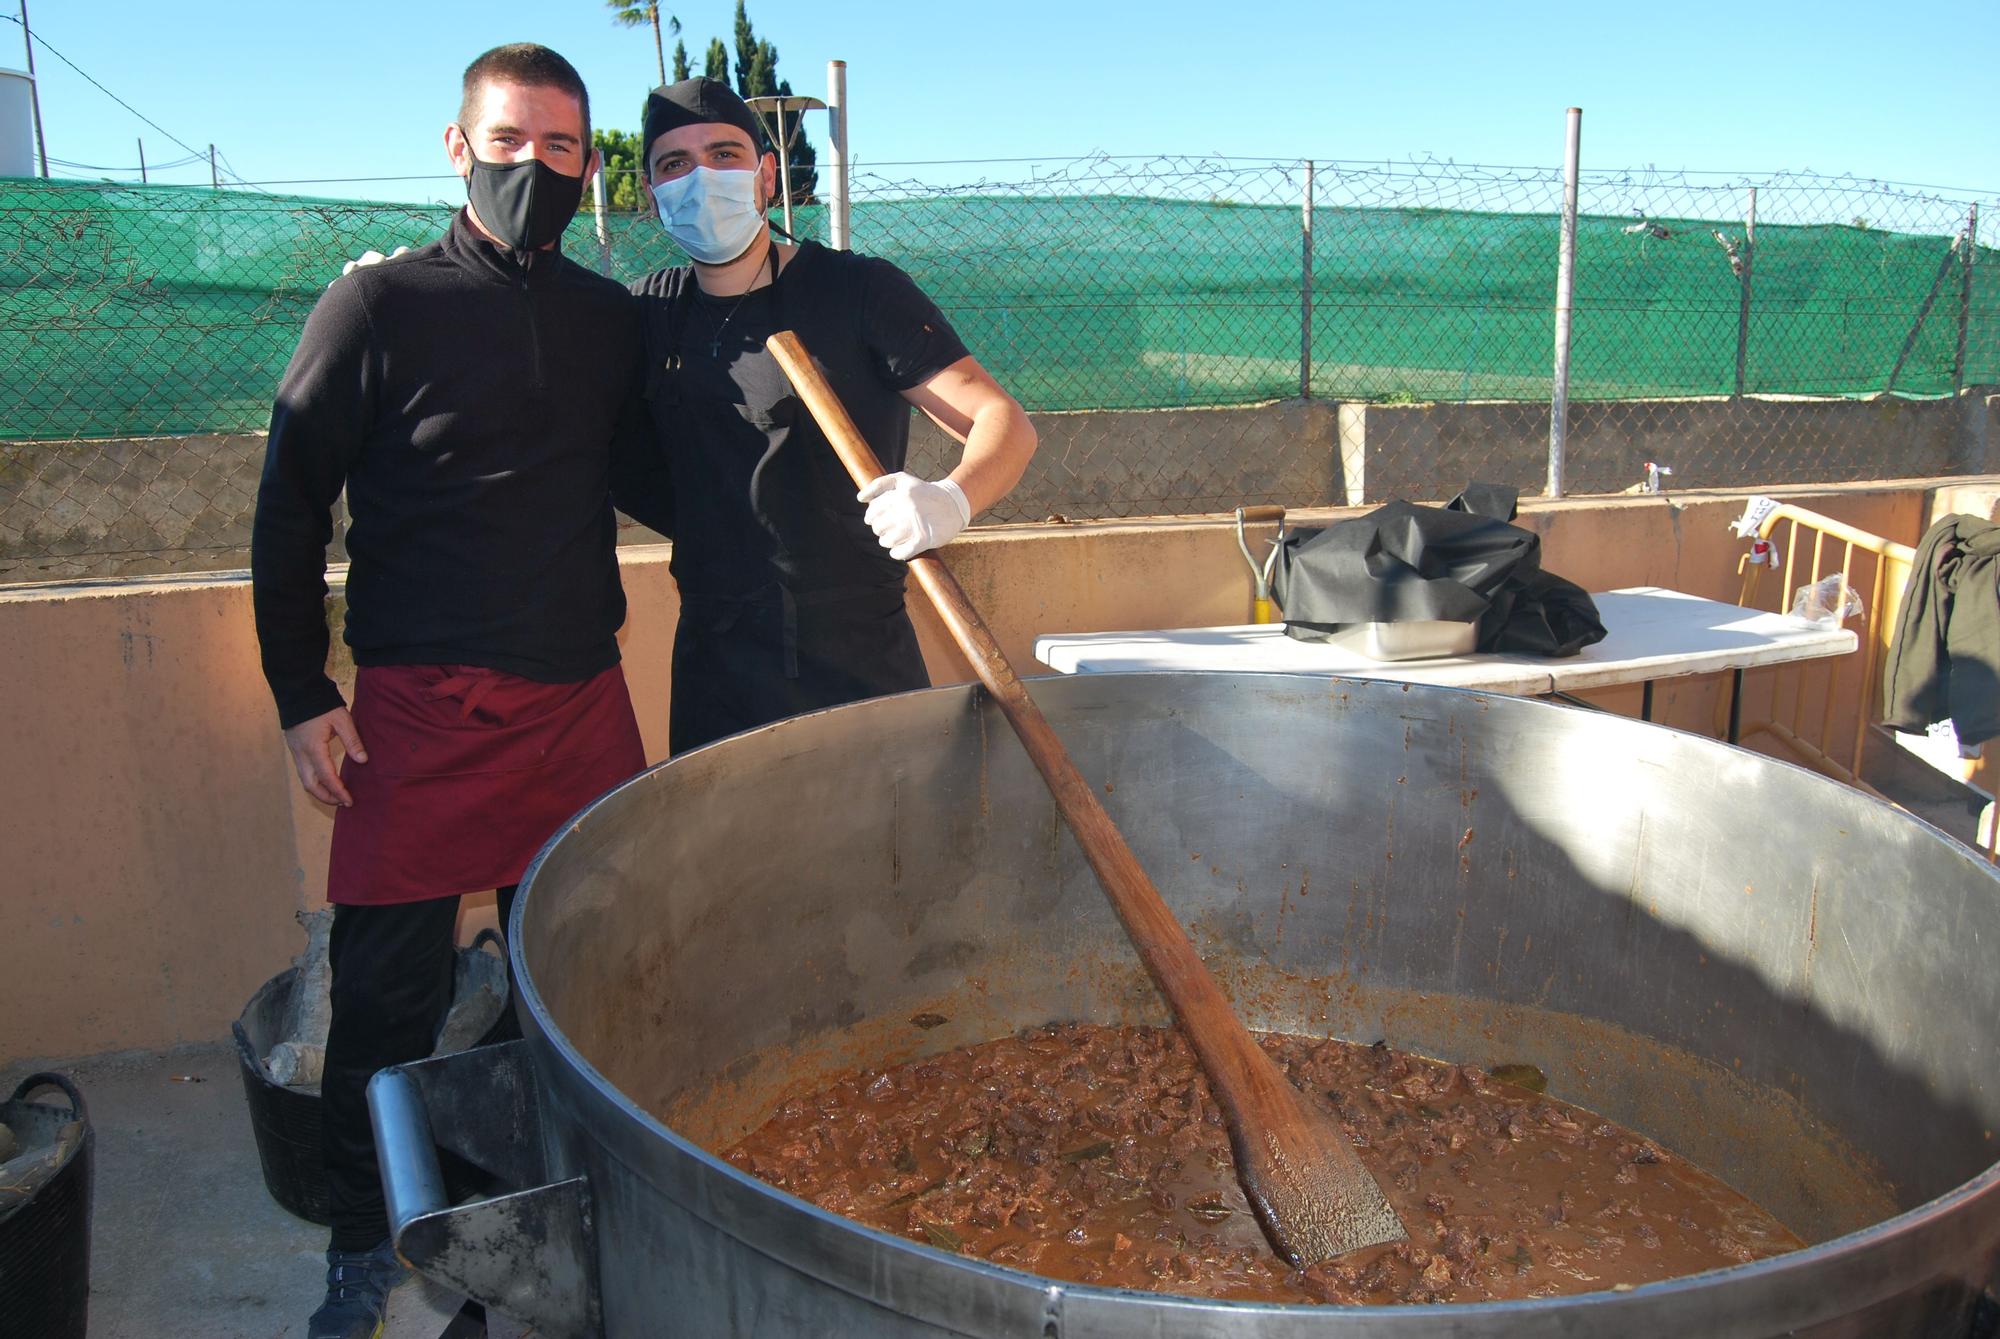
x: 528, y: 63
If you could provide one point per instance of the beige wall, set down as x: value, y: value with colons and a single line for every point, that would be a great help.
x: 154, y: 845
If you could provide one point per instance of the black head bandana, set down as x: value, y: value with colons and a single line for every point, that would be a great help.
x: 693, y: 102
x: 526, y: 205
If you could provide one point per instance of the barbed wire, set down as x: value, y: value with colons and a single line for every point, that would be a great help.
x: 152, y: 167
x: 1421, y: 164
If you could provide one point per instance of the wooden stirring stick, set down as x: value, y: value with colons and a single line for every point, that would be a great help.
x: 1301, y: 1176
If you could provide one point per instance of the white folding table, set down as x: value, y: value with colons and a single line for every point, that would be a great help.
x: 1650, y: 634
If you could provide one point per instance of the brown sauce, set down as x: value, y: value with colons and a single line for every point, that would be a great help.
x: 1096, y: 1155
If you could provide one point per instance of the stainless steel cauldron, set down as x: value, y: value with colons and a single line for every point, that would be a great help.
x: 1787, y: 981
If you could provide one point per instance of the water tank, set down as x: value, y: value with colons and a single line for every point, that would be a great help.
x: 17, y: 124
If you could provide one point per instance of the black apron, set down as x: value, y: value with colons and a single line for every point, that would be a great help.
x: 798, y: 610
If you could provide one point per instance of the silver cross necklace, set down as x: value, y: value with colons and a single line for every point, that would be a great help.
x: 715, y: 342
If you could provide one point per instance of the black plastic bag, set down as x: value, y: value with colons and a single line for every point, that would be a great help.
x: 1461, y: 563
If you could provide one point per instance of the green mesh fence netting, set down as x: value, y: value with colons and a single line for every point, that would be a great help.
x: 148, y: 311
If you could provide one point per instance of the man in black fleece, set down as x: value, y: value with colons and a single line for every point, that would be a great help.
x: 468, y: 397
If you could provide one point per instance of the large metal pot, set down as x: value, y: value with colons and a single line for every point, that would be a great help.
x: 1788, y: 981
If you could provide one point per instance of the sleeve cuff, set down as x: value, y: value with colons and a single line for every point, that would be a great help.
x: 964, y: 503
x: 305, y: 703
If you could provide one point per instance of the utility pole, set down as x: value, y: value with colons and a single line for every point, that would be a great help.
x: 214, y: 177
x: 34, y: 91
x: 142, y: 162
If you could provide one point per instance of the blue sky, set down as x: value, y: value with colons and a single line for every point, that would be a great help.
x: 363, y: 89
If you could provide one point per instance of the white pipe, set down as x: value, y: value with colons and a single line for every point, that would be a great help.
x: 836, y: 191
x: 597, y: 207
x: 1565, y: 293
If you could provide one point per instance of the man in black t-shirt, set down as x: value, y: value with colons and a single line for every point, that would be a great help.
x: 792, y: 584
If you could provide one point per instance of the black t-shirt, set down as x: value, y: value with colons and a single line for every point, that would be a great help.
x: 468, y: 402
x: 760, y: 499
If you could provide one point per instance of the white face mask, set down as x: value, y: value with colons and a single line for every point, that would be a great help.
x: 711, y: 214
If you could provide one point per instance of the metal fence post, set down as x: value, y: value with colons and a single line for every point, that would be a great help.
x: 597, y: 207
x: 836, y: 191
x: 1965, y: 296
x: 1306, y: 293
x: 1924, y: 314
x: 1743, y: 299
x: 1565, y: 293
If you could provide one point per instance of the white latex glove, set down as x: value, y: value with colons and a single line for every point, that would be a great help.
x: 911, y: 516
x: 369, y: 257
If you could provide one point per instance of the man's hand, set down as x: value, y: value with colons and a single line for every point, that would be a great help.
x: 312, y: 753
x: 911, y: 516
x: 369, y: 257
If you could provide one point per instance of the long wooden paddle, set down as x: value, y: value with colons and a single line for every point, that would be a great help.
x: 1309, y: 1190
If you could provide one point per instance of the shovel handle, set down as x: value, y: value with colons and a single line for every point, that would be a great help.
x: 1264, y: 515
x: 1300, y: 1175
x: 1161, y: 941
x: 1218, y: 1036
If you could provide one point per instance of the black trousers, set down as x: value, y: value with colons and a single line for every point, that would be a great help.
x: 392, y: 979
x: 739, y: 664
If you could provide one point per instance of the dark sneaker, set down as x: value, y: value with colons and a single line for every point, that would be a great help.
x: 357, y: 1293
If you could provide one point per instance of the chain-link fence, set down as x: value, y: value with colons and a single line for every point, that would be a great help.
x: 1194, y: 334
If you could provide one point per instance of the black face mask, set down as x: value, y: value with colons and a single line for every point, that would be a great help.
x: 526, y: 204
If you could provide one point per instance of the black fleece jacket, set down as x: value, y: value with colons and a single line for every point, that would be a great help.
x: 471, y: 401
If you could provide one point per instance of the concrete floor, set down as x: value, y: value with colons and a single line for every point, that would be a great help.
x: 186, y: 1240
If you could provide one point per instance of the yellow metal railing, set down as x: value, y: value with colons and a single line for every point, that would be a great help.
x: 1812, y: 547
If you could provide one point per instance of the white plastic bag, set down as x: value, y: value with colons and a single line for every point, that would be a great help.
x: 1828, y: 600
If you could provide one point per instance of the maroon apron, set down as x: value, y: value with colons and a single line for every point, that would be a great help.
x: 469, y: 771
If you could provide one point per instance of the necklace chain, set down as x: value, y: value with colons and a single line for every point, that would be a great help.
x: 715, y: 340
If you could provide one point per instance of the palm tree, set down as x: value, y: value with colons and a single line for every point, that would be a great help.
x: 633, y: 15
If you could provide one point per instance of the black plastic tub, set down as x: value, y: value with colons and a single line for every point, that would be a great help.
x: 45, y: 1241
x: 286, y: 1121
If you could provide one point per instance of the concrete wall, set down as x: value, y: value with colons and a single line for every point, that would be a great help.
x: 143, y: 505
x: 1403, y: 451
x: 165, y: 504
x: 138, y: 507
x: 1326, y: 453
x: 1177, y: 462
x: 156, y: 845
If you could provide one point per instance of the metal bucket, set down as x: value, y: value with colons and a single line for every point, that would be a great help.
x: 1787, y: 981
